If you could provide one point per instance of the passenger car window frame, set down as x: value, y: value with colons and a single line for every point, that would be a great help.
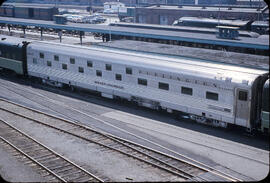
x: 49, y: 63
x: 99, y: 73
x: 142, y: 81
x: 41, y: 55
x: 72, y: 60
x: 80, y: 69
x: 118, y: 77
x: 163, y: 86
x: 108, y: 67
x: 64, y: 68
x: 56, y: 58
x: 89, y: 63
x: 186, y: 90
x: 241, y: 96
x: 129, y: 70
x: 209, y: 95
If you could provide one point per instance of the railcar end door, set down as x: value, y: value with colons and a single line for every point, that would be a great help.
x: 242, y: 107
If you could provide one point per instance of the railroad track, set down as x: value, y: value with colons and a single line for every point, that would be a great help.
x: 57, y: 166
x: 171, y: 165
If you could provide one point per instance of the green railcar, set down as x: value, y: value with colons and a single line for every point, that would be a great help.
x: 11, y: 64
x: 265, y: 109
x: 13, y: 55
x: 265, y: 122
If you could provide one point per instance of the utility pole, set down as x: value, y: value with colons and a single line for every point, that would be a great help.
x: 259, y: 10
x: 110, y: 32
x: 90, y: 6
x: 219, y: 12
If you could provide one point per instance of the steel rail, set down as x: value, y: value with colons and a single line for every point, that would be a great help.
x: 47, y: 148
x: 182, y: 174
x: 224, y: 176
x: 201, y: 165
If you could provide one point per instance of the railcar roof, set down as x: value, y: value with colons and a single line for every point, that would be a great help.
x: 189, y: 66
x: 12, y: 40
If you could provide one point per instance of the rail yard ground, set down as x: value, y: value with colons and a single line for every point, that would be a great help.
x: 244, y: 157
x: 230, y: 151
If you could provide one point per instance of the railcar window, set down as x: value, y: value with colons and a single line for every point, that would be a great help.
x: 99, y: 73
x: 56, y: 57
x: 41, y: 55
x: 108, y: 67
x: 81, y: 70
x: 89, y: 63
x: 72, y: 60
x: 211, y: 95
x: 242, y: 95
x: 128, y: 70
x: 49, y: 63
x: 186, y: 90
x: 163, y: 86
x: 118, y: 77
x: 34, y: 61
x: 64, y: 66
x: 142, y: 81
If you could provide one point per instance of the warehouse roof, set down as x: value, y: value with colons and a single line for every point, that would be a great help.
x: 204, y: 30
x: 205, y: 8
x: 214, y: 21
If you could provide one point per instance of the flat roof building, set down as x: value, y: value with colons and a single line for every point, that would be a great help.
x: 166, y: 15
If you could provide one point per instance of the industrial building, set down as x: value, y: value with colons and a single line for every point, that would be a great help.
x: 150, y: 2
x: 166, y: 15
x: 28, y: 12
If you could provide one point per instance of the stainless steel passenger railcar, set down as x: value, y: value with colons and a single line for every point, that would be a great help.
x: 210, y: 93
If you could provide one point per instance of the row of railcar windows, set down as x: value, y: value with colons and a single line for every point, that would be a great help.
x: 56, y: 58
x: 184, y: 90
x: 108, y: 67
x: 141, y: 81
x: 9, y: 55
x: 164, y: 86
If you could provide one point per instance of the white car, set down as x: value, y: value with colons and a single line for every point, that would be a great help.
x: 108, y: 11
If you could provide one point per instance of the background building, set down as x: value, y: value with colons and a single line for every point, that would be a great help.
x: 112, y: 7
x: 149, y: 2
x: 166, y: 15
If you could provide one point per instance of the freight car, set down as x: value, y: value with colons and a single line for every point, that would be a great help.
x: 209, y: 93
